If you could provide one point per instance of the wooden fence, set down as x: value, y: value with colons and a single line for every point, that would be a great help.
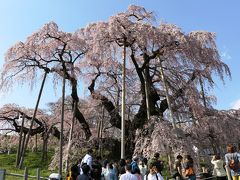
x: 4, y: 174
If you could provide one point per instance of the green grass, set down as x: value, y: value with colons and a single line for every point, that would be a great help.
x: 32, y: 161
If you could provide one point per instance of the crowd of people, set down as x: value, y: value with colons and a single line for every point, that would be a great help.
x: 135, y: 168
x: 139, y: 168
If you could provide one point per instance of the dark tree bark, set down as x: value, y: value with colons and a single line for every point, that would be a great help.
x: 79, y: 116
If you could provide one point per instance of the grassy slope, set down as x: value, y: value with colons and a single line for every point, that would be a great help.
x: 32, y: 161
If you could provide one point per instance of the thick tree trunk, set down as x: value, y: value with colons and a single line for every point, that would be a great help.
x: 203, y: 93
x: 115, y: 119
x: 74, y: 95
x: 77, y: 112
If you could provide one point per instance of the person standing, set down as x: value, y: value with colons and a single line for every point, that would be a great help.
x: 75, y: 171
x: 152, y: 175
x: 96, y: 169
x: 177, y: 168
x: 157, y: 170
x: 105, y: 169
x: 85, y: 173
x: 232, y: 159
x: 87, y: 159
x: 218, y: 169
x: 188, y: 170
x: 143, y: 168
x: 110, y: 175
x: 134, y: 164
x: 122, y: 164
x: 115, y: 168
x: 128, y: 175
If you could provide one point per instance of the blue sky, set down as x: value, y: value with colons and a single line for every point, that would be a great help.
x: 20, y: 18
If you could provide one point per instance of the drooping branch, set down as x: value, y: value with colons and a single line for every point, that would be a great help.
x: 12, y: 116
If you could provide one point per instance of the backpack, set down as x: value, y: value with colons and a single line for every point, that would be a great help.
x: 135, y: 167
x: 234, y: 163
x: 189, y: 172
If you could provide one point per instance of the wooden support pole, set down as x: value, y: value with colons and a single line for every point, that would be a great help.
x: 61, y: 128
x: 31, y: 125
x: 20, y: 143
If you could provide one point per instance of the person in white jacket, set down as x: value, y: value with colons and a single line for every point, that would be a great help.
x: 87, y: 159
x: 218, y: 169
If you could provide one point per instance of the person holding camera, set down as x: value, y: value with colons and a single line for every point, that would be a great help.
x: 218, y: 169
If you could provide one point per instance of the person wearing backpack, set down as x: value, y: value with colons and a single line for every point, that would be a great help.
x: 232, y: 159
x: 188, y: 170
x: 153, y: 173
x: 158, y: 170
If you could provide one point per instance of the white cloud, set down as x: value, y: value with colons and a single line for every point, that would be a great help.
x: 236, y: 104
